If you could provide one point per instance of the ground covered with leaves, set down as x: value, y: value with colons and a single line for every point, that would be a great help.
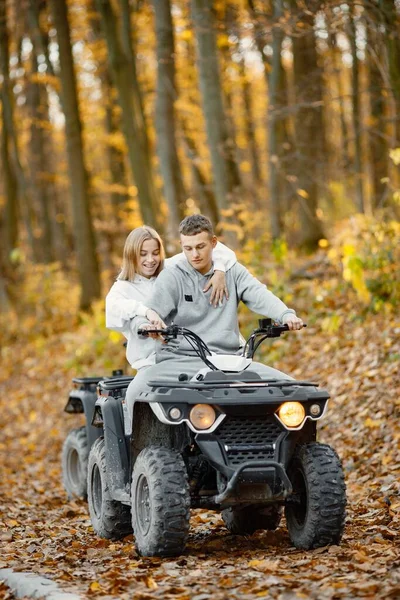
x: 355, y: 354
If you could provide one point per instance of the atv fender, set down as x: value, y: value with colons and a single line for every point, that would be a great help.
x: 117, y: 453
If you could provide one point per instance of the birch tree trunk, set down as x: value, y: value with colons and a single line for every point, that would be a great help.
x: 165, y: 116
x: 83, y: 230
x: 225, y: 172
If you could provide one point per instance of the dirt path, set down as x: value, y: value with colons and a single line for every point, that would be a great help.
x: 40, y: 531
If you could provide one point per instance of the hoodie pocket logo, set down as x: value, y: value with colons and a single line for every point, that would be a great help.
x: 188, y: 298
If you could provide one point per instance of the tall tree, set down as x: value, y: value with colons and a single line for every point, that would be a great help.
x: 123, y: 72
x: 83, y: 229
x: 278, y: 138
x: 165, y: 115
x: 60, y: 232
x: 226, y: 175
x: 308, y: 121
x: 356, y: 114
x: 377, y: 130
x: 10, y: 229
x: 112, y: 121
x: 274, y: 87
x: 37, y: 101
x: 10, y: 138
x: 391, y: 19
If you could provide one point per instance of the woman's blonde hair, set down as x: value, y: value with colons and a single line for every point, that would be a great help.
x: 132, y: 248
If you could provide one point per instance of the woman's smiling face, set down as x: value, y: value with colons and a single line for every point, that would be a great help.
x: 149, y: 258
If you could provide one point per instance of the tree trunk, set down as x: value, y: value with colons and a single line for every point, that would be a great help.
x: 10, y: 191
x: 83, y: 229
x: 280, y: 144
x: 377, y: 130
x: 392, y: 39
x: 38, y: 162
x: 308, y: 126
x: 226, y: 175
x: 336, y: 55
x: 60, y: 230
x: 358, y: 170
x: 123, y: 75
x: 165, y: 116
x: 203, y: 192
x: 10, y: 133
x: 274, y: 86
x: 249, y: 125
x: 115, y: 156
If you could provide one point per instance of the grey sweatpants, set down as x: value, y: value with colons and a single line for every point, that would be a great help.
x: 169, y: 369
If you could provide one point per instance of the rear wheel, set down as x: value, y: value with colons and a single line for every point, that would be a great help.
x: 160, y: 502
x: 110, y: 519
x: 316, y: 514
x: 74, y: 461
x: 245, y: 521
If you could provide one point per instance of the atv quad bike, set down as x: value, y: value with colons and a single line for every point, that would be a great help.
x: 225, y: 439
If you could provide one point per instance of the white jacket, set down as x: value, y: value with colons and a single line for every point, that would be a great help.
x: 128, y: 299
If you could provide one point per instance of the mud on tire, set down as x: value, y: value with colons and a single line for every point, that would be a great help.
x: 317, y: 514
x: 245, y: 521
x: 110, y: 519
x: 160, y: 502
x: 74, y: 460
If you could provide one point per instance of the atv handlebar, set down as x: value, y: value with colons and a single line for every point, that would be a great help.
x: 266, y: 329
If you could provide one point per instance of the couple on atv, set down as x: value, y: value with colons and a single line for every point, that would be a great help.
x: 200, y: 290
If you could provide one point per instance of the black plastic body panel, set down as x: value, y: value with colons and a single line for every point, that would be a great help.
x: 83, y: 401
x: 117, y: 445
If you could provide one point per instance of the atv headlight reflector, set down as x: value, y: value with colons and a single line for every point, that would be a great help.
x: 291, y: 414
x: 202, y: 416
x: 175, y: 413
x: 315, y: 410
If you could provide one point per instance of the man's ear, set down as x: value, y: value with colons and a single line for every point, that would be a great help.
x: 214, y: 241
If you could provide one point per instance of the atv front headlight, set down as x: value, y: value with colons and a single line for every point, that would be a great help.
x: 291, y: 414
x: 202, y: 416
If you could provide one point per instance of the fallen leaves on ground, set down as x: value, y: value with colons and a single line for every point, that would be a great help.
x: 42, y: 532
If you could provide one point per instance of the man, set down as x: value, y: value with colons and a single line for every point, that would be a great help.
x: 178, y: 297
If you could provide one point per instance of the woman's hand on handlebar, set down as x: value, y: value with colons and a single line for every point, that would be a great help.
x: 149, y: 327
x: 294, y: 323
x: 155, y: 319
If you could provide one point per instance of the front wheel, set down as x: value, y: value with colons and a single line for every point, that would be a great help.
x: 315, y: 515
x: 245, y: 521
x: 160, y: 502
x: 110, y: 519
x: 74, y: 462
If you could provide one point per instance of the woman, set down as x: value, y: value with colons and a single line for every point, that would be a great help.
x: 143, y: 259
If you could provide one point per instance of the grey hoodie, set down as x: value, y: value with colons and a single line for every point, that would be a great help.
x: 178, y: 297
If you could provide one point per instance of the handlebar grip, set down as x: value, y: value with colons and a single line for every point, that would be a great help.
x: 146, y: 332
x: 287, y: 327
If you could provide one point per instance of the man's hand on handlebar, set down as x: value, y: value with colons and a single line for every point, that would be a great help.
x: 294, y: 323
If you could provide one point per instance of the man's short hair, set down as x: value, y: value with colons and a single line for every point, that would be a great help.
x: 196, y: 224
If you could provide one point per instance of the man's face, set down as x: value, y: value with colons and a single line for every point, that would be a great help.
x: 198, y: 250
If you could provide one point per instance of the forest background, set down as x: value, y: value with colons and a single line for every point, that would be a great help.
x: 281, y: 121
